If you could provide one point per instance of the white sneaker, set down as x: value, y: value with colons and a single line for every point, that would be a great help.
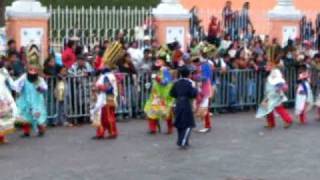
x: 204, y: 130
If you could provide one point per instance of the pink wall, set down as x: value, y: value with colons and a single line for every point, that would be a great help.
x: 259, y: 9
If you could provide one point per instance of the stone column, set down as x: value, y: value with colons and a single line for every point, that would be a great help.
x: 284, y: 20
x: 27, y: 23
x: 172, y: 21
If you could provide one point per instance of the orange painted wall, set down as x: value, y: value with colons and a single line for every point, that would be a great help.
x: 14, y: 26
x: 163, y: 24
x: 259, y: 9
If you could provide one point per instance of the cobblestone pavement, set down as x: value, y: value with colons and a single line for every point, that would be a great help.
x: 238, y: 148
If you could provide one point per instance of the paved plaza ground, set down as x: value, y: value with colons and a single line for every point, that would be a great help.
x: 237, y: 148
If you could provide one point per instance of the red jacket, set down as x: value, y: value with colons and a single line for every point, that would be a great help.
x: 98, y: 64
x: 68, y: 57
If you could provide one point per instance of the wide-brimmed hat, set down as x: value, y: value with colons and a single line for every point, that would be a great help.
x: 194, y: 56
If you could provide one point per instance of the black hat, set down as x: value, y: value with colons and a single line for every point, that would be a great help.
x: 172, y: 46
x: 184, y: 71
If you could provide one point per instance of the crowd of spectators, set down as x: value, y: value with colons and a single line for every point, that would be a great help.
x: 237, y: 47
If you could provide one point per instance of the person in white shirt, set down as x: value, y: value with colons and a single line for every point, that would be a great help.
x: 136, y: 54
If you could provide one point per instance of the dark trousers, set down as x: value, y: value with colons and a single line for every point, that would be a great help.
x: 183, y: 136
x: 62, y: 117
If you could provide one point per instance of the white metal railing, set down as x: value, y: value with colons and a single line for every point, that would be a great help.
x: 93, y: 25
x: 233, y: 89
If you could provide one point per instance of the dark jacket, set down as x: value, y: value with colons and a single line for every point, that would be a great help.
x: 183, y: 92
x: 18, y: 68
x: 51, y: 71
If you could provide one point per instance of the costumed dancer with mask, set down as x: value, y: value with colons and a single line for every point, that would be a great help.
x: 304, y: 96
x: 31, y: 101
x: 8, y: 106
x: 203, y: 76
x: 274, y: 97
x: 159, y: 105
x: 106, y: 104
x: 184, y: 92
x: 106, y: 101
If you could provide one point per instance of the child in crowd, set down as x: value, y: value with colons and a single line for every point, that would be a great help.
x: 304, y: 96
x: 61, y: 92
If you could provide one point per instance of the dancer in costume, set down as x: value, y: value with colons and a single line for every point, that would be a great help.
x: 204, y: 77
x: 159, y: 105
x: 184, y: 92
x: 105, y: 107
x: 304, y: 95
x: 8, y: 109
x: 274, y: 97
x: 31, y: 102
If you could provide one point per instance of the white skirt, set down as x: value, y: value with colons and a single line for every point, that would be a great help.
x: 205, y: 103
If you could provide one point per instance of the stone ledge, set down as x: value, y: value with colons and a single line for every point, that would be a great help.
x: 285, y: 13
x: 27, y: 9
x: 171, y: 11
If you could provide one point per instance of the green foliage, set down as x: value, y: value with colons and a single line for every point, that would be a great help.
x: 95, y: 3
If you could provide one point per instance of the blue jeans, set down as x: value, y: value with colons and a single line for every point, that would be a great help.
x: 252, y: 88
x: 232, y: 94
x: 61, y: 116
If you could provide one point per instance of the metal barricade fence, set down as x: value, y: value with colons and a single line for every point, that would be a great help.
x: 315, y: 82
x: 132, y: 94
x: 233, y: 89
x: 50, y: 98
x: 291, y: 76
x: 245, y: 88
x: 238, y: 88
x: 93, y: 25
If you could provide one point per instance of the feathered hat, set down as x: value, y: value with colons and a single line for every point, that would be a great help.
x: 33, y: 56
